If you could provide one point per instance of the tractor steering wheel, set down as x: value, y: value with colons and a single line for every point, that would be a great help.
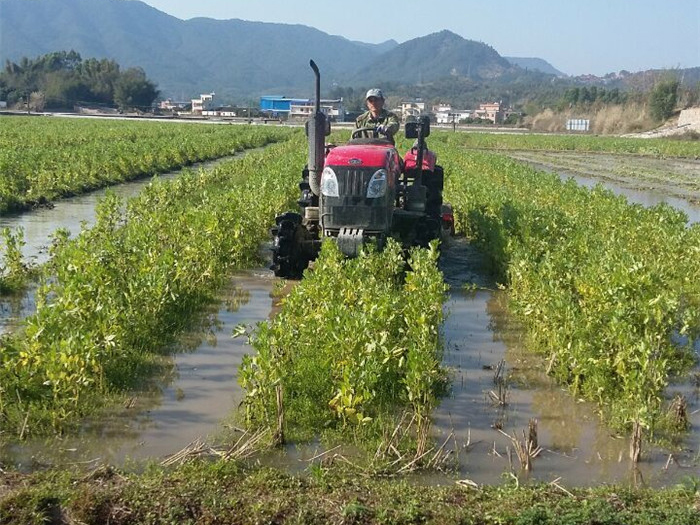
x: 367, y: 132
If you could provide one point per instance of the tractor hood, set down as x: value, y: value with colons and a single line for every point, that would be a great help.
x: 362, y: 155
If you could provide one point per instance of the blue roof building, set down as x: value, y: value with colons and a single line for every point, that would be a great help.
x: 274, y: 104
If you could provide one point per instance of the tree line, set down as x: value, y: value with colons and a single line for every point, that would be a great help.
x: 63, y: 79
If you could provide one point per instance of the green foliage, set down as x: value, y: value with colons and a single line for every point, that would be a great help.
x: 660, y: 148
x: 65, y: 79
x: 44, y: 159
x: 133, y: 90
x: 662, y: 99
x: 603, y: 286
x: 114, y: 296
x: 13, y: 270
x: 585, y: 96
x: 354, y: 341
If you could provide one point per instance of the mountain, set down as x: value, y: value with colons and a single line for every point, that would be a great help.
x: 241, y: 60
x: 382, y: 47
x: 235, y: 58
x: 434, y: 56
x: 535, y: 64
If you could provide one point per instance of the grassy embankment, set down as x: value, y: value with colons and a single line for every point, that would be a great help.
x: 224, y: 492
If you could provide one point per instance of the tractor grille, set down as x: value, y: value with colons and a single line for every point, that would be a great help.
x: 353, y: 209
x: 353, y: 183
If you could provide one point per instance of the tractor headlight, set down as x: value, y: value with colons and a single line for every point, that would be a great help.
x: 329, y: 183
x: 377, y: 185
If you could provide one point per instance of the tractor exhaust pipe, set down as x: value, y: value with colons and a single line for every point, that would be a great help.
x: 316, y: 131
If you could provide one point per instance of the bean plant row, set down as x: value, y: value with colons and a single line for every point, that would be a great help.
x: 355, y: 343
x: 112, y: 298
x: 609, y: 291
x: 42, y: 159
x: 659, y: 148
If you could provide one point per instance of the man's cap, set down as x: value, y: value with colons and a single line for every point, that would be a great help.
x: 375, y: 92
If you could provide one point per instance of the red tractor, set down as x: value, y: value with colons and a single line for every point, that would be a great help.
x: 360, y: 191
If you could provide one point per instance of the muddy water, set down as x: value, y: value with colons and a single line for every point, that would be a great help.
x: 191, y: 402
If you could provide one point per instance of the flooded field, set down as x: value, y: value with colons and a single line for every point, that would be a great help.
x: 196, y: 400
x: 192, y: 401
x: 198, y: 396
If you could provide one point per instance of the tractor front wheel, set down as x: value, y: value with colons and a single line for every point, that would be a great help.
x: 288, y: 256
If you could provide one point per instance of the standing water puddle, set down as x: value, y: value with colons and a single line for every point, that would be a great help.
x: 642, y: 180
x: 576, y: 446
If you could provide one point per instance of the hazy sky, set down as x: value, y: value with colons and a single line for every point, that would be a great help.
x: 575, y: 36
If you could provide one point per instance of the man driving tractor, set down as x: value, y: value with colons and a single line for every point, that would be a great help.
x: 385, y: 122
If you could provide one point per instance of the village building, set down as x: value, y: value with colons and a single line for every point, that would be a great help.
x: 490, y: 111
x: 301, y: 108
x: 204, y: 102
x: 409, y: 109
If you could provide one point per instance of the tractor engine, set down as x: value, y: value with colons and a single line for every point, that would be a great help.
x: 358, y: 191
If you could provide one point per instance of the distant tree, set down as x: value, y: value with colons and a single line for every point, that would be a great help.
x: 663, y: 98
x: 64, y: 79
x: 100, y: 76
x: 133, y: 90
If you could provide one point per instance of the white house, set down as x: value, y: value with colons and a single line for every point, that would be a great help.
x: 448, y: 117
x: 413, y: 108
x: 220, y: 111
x: 204, y: 102
x: 302, y: 110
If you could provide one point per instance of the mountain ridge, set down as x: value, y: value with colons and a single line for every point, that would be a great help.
x: 236, y: 58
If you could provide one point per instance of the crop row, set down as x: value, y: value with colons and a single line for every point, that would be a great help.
x: 608, y: 291
x: 660, y: 148
x: 354, y: 343
x: 42, y: 159
x: 116, y: 294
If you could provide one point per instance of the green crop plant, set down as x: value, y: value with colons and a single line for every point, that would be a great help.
x: 355, y: 342
x: 112, y: 298
x: 604, y: 287
x: 45, y: 159
x: 13, y: 270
